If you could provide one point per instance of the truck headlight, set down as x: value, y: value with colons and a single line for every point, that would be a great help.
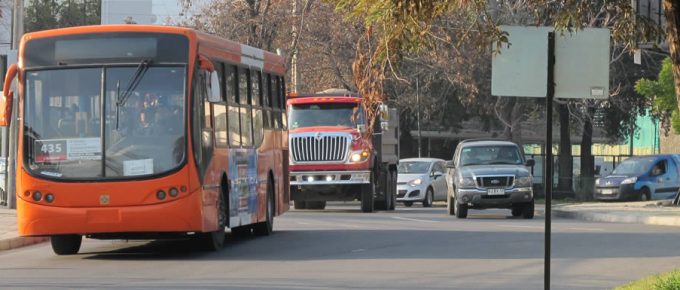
x: 629, y: 180
x: 359, y: 156
x: 523, y: 181
x: 415, y: 182
x: 467, y: 182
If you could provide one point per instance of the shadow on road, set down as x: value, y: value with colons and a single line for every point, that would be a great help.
x: 315, y: 245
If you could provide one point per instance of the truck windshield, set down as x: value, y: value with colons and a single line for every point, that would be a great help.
x: 63, y: 132
x: 325, y: 114
x: 484, y: 155
x: 633, y: 166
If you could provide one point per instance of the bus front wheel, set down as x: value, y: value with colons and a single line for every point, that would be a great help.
x: 214, y: 241
x: 66, y: 244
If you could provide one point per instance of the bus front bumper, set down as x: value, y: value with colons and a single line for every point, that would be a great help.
x: 178, y: 216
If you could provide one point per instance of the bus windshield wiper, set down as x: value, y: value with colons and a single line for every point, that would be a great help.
x: 132, y: 85
x: 134, y: 81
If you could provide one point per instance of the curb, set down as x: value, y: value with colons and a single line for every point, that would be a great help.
x: 618, y: 217
x: 18, y: 242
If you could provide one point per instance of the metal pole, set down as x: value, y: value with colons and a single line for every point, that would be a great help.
x: 418, y: 116
x: 17, y: 32
x: 548, y: 173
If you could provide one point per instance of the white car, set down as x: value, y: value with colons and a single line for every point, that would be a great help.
x: 421, y: 180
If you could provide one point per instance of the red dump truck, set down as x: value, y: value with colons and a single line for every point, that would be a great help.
x: 331, y: 156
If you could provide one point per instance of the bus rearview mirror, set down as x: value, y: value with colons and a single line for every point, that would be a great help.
x: 7, y: 99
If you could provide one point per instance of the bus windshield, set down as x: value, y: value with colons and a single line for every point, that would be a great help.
x: 64, y: 110
x: 325, y: 114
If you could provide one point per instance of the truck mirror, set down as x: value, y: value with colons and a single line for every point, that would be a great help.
x: 530, y: 163
x: 7, y: 97
x: 450, y: 164
x: 384, y: 112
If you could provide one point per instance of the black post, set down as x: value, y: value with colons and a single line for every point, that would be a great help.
x: 548, y: 172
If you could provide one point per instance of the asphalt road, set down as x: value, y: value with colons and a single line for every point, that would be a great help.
x: 342, y: 248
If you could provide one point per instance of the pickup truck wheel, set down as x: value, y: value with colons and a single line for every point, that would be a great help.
x: 367, y: 197
x: 427, y: 202
x: 450, y: 205
x: 300, y: 204
x: 528, y: 210
x: 516, y: 211
x: 66, y: 244
x: 461, y: 210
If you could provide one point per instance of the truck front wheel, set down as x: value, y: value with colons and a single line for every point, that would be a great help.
x: 367, y: 191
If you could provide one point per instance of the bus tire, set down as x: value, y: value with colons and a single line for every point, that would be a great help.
x: 266, y: 227
x: 66, y: 244
x: 214, y: 241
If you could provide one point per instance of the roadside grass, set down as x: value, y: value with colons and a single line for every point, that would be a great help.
x: 664, y: 281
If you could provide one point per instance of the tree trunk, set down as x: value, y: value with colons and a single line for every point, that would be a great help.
x: 566, y: 165
x: 516, y: 121
x: 506, y: 115
x: 587, y: 182
x: 671, y: 10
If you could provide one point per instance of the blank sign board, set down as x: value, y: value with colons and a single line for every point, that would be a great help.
x: 581, y: 63
x: 520, y: 68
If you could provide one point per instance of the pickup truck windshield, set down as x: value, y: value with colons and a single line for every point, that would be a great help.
x: 325, y: 114
x: 493, y: 154
x: 633, y: 166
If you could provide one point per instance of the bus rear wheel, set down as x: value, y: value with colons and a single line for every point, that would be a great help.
x: 266, y: 227
x: 66, y: 244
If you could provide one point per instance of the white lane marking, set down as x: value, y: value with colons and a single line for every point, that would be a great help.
x: 522, y: 227
x: 303, y: 223
x: 358, y: 250
x: 414, y: 220
x: 586, y: 229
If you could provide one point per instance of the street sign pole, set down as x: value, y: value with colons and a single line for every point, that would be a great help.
x: 548, y: 172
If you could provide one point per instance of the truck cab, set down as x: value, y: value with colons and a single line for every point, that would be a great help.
x: 331, y: 156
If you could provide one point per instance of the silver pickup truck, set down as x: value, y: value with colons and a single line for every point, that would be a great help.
x: 490, y: 174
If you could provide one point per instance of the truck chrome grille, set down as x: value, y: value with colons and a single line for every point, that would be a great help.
x: 319, y: 148
x: 495, y: 181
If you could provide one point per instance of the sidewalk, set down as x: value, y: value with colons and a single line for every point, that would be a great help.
x: 9, y: 237
x: 646, y: 212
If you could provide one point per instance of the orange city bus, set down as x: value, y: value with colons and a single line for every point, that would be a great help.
x: 146, y: 132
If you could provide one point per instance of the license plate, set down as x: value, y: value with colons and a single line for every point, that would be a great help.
x: 607, y: 191
x: 496, y: 191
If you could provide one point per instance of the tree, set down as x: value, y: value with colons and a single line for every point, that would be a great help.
x: 661, y: 92
x: 51, y: 14
x: 672, y: 12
